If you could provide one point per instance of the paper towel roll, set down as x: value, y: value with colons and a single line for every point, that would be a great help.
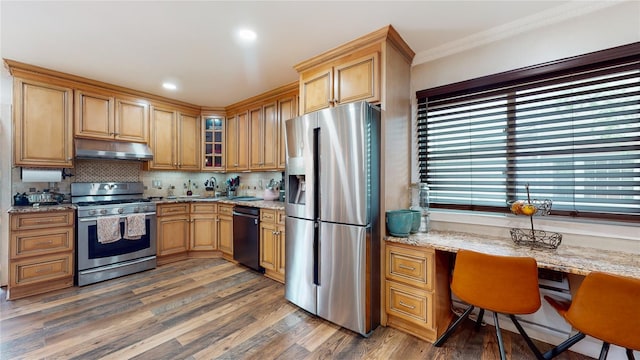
x: 41, y: 175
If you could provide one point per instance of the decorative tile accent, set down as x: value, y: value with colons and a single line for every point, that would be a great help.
x: 101, y: 170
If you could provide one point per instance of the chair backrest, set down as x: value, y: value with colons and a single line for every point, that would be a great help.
x: 503, y: 284
x: 607, y: 307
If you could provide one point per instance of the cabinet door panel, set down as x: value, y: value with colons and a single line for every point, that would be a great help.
x: 256, y: 136
x: 173, y: 235
x: 162, y: 141
x: 357, y: 80
x: 316, y: 91
x: 225, y: 235
x: 270, y: 136
x: 287, y: 109
x: 268, y: 246
x: 132, y: 121
x: 94, y: 115
x: 204, y: 231
x: 189, y: 142
x: 43, y: 125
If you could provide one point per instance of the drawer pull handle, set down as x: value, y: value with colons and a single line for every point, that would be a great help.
x: 407, y: 306
x: 46, y: 269
x: 406, y: 267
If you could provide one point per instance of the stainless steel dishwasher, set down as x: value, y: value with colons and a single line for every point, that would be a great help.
x: 246, y: 236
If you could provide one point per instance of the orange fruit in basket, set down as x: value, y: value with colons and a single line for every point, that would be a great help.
x: 516, y: 207
x: 528, y: 209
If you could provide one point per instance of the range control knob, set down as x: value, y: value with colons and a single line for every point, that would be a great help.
x: 92, y: 212
x: 120, y: 210
x: 103, y: 212
x: 136, y: 209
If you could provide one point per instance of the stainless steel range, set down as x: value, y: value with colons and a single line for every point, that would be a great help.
x: 97, y: 260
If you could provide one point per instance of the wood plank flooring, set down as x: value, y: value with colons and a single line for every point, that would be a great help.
x: 209, y: 309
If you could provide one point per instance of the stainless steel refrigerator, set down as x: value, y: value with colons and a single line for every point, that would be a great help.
x: 332, y: 244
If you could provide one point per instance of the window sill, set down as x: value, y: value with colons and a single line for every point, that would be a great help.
x: 606, y: 235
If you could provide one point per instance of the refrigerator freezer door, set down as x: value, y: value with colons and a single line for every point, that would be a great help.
x: 299, y: 259
x: 344, y: 181
x: 342, y: 289
x: 299, y: 171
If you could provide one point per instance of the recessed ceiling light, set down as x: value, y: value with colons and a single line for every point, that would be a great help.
x: 247, y: 35
x: 169, y: 86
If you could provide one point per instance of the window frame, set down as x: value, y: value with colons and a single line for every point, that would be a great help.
x: 558, y: 68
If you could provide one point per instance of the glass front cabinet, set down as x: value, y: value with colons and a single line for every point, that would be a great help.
x: 213, y: 143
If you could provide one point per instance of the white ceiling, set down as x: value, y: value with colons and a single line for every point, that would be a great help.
x: 141, y: 44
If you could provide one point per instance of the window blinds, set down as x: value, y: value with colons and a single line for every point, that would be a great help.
x: 572, y: 135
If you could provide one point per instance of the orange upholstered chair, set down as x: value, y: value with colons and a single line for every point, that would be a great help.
x: 501, y: 284
x: 606, y: 307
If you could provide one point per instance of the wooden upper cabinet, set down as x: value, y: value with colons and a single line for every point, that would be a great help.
x: 287, y: 109
x: 344, y: 81
x: 175, y: 140
x: 354, y: 71
x: 316, y: 90
x: 103, y: 116
x: 43, y: 125
x: 263, y: 143
x: 237, y: 139
x: 132, y: 120
x: 163, y: 130
x: 213, y: 143
x: 94, y: 115
x: 188, y: 143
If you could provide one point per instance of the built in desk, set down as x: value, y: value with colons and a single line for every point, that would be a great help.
x: 566, y: 258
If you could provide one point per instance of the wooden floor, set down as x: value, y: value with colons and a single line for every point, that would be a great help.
x: 206, y: 309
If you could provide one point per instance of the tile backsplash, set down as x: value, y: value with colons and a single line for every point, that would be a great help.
x: 156, y: 183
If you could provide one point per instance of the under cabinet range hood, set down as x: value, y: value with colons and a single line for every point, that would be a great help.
x: 112, y: 150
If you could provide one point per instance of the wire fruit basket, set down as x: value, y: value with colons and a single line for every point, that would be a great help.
x: 539, y: 239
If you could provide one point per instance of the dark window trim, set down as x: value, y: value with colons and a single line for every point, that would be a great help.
x: 613, y: 55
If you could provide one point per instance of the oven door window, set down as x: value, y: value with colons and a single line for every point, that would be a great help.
x: 123, y: 246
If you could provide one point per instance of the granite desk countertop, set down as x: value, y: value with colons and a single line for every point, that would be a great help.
x: 566, y: 258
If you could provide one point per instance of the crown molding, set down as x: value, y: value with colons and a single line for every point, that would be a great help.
x: 543, y: 19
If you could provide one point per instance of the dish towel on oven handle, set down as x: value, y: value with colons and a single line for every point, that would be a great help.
x: 134, y: 226
x: 108, y: 229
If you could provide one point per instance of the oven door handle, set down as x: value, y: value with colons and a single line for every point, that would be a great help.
x: 121, y: 217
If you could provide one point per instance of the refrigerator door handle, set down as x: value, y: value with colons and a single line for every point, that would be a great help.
x: 316, y: 173
x: 316, y: 254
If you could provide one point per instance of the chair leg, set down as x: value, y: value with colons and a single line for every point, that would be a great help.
x: 441, y: 340
x: 630, y: 354
x: 604, y: 351
x: 479, y: 320
x: 526, y: 337
x: 499, y: 335
x: 563, y: 346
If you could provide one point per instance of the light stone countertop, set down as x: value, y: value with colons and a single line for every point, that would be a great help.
x: 568, y: 259
x: 262, y: 204
x: 43, y: 208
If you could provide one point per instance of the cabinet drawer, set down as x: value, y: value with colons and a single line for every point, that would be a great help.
x: 410, y: 304
x: 280, y: 215
x: 41, y: 220
x: 410, y: 266
x: 173, y: 209
x: 24, y: 272
x: 225, y: 209
x: 204, y: 208
x: 41, y: 242
x: 267, y: 215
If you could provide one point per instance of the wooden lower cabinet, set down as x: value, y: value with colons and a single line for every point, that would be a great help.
x: 272, y: 243
x: 40, y: 252
x: 225, y: 230
x: 187, y: 230
x: 417, y: 290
